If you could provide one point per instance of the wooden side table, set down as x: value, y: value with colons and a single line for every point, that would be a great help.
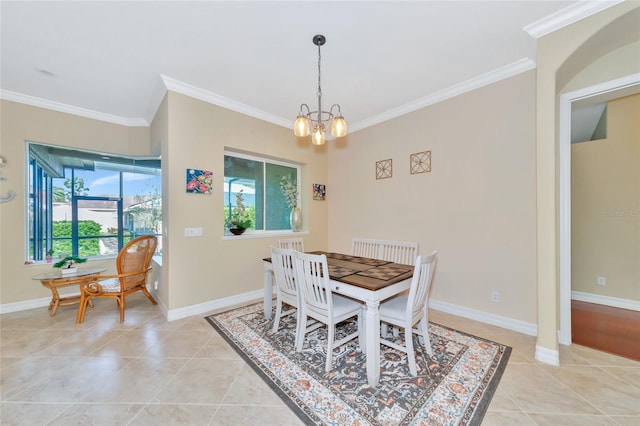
x: 53, y: 280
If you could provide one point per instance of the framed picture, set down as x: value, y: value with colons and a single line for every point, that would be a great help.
x: 420, y: 162
x: 199, y: 181
x: 319, y: 192
x: 384, y: 169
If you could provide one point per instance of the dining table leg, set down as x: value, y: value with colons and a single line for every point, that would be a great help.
x: 268, y: 290
x: 372, y: 331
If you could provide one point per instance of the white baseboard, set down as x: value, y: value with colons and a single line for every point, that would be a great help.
x: 212, y: 305
x: 6, y: 308
x: 497, y: 320
x: 615, y: 302
x: 548, y: 356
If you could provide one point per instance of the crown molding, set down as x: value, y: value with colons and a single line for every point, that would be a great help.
x: 157, y: 96
x: 567, y: 16
x: 70, y: 109
x: 215, y: 99
x: 491, y: 77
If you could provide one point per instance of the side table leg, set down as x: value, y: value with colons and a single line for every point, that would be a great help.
x: 55, y: 297
x: 55, y: 303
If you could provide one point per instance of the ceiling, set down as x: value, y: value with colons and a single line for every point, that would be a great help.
x: 115, y: 60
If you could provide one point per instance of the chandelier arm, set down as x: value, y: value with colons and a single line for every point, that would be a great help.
x: 307, y: 107
x: 335, y: 106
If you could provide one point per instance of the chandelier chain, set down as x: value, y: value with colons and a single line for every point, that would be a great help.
x: 319, y: 86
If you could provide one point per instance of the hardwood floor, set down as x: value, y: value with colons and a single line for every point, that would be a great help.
x: 605, y: 328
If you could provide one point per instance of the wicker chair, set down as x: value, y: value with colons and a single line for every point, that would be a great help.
x: 133, y: 264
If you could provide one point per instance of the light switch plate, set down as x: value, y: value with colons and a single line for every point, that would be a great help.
x: 193, y: 232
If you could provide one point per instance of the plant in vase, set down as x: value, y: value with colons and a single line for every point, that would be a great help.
x: 67, y: 263
x: 240, y: 219
x: 49, y: 256
x: 290, y: 191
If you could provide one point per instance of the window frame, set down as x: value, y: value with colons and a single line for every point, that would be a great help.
x: 264, y: 159
x: 37, y: 243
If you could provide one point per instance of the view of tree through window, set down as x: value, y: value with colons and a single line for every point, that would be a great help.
x: 90, y: 204
x: 259, y: 180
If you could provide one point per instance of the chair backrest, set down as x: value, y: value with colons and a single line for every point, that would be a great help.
x: 284, y: 270
x: 420, y: 284
x: 312, y: 274
x: 292, y: 243
x: 366, y: 248
x: 404, y: 252
x: 136, y: 256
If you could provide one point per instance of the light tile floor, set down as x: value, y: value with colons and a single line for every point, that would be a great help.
x: 151, y: 372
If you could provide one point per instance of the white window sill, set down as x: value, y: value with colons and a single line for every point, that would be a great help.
x: 248, y: 235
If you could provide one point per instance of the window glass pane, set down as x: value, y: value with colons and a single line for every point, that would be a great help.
x: 276, y: 205
x: 94, y: 218
x: 61, y: 215
x: 142, y: 202
x: 244, y: 176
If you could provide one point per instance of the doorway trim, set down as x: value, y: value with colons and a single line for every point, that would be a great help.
x: 564, y: 205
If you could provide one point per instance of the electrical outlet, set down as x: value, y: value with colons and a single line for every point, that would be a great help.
x: 495, y: 296
x: 601, y: 281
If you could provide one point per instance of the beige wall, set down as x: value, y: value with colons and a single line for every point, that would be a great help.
x: 190, y: 134
x: 159, y: 135
x: 22, y: 123
x: 556, y: 65
x: 605, y: 206
x: 211, y: 267
x: 476, y: 206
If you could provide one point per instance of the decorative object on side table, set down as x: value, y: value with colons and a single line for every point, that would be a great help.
x: 49, y: 257
x: 290, y: 191
x: 240, y: 218
x: 67, y: 264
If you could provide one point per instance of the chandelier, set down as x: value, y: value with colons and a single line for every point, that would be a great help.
x: 319, y: 120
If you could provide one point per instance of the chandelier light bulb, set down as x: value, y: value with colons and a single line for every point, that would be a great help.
x: 339, y: 127
x: 301, y: 126
x: 317, y: 138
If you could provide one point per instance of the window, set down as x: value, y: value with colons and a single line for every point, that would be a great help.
x: 258, y: 180
x: 89, y: 204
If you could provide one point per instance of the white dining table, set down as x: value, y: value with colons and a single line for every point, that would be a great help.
x: 371, y: 295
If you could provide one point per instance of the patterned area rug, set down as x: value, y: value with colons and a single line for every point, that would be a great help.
x: 453, y: 387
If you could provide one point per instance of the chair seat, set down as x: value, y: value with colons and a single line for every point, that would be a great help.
x: 110, y: 285
x: 343, y: 305
x: 394, y: 309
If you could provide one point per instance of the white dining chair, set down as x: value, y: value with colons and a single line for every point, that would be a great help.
x: 286, y: 287
x: 319, y: 303
x: 292, y: 243
x: 365, y: 247
x: 406, y: 310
